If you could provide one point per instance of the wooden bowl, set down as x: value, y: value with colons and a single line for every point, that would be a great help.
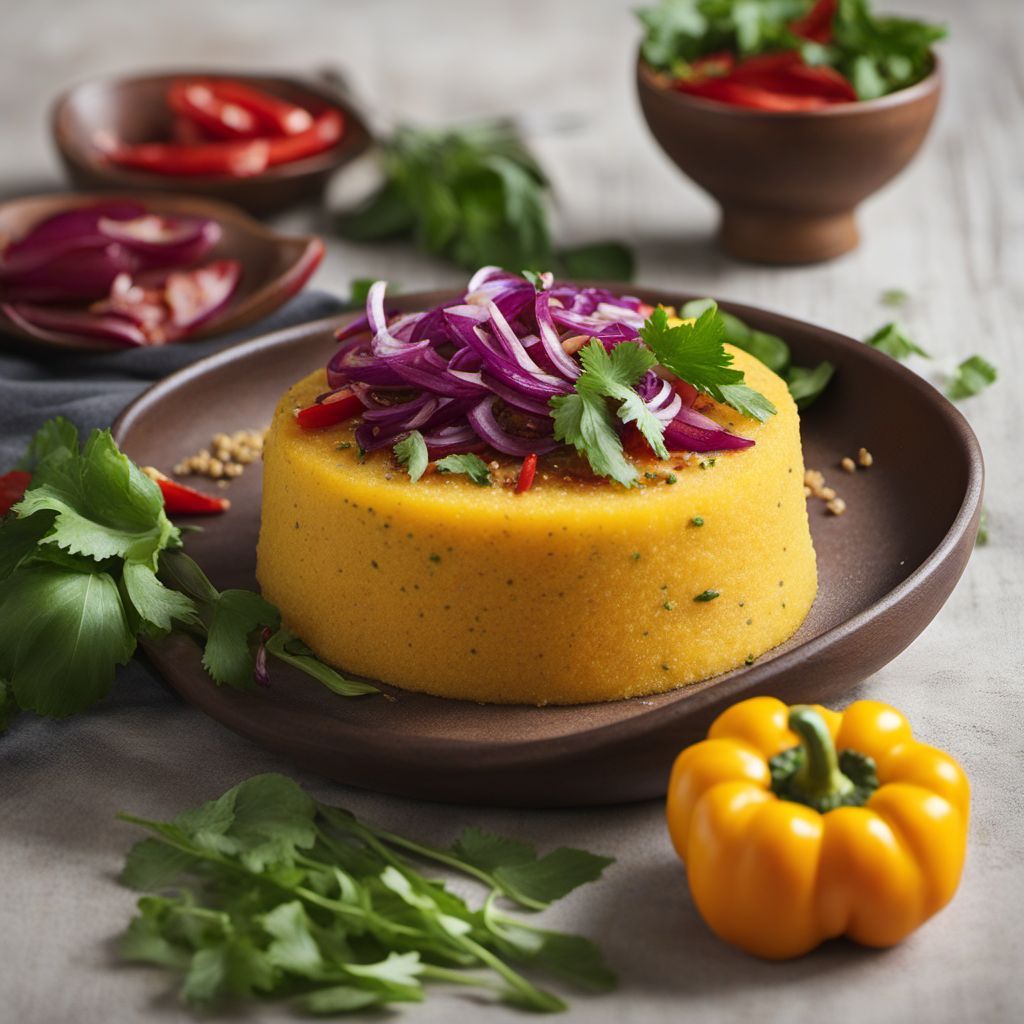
x: 788, y: 183
x: 274, y: 267
x: 884, y: 569
x: 134, y: 108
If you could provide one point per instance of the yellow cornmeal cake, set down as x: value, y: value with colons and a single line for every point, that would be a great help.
x: 571, y: 592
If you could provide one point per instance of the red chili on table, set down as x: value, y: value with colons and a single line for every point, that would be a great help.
x: 335, y: 408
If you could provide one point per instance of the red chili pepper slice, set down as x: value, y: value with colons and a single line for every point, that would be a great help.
x: 181, y: 500
x: 797, y: 80
x: 816, y: 24
x: 324, y: 132
x: 275, y: 115
x: 740, y: 95
x: 240, y: 159
x: 336, y: 408
x: 711, y: 65
x: 12, y: 489
x: 527, y: 472
x: 199, y: 102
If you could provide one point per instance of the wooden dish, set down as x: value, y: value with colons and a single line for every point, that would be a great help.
x: 274, y: 267
x: 134, y: 108
x: 788, y: 183
x: 885, y: 568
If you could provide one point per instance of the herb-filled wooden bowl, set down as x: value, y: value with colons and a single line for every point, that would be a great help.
x: 789, y: 183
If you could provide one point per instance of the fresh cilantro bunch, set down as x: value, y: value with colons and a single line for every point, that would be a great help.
x: 268, y: 892
x: 89, y: 562
x: 477, y: 196
x: 877, y: 54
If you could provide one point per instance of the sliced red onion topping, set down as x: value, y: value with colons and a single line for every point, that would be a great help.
x: 482, y: 370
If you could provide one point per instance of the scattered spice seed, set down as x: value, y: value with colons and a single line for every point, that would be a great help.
x: 865, y: 458
x: 227, y: 456
x: 836, y: 506
x: 827, y: 493
x: 848, y: 465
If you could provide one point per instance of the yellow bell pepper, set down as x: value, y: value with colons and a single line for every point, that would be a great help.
x: 787, y: 843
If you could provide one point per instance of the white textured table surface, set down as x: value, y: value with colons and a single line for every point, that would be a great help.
x: 950, y: 231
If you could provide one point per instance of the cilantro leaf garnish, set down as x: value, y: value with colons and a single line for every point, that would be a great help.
x: 411, y: 452
x: 972, y: 376
x: 583, y: 420
x: 807, y: 384
x: 89, y: 562
x: 695, y: 352
x: 63, y: 635
x: 265, y: 890
x: 468, y: 464
x: 893, y: 340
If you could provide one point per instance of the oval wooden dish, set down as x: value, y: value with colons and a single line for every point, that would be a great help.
x: 274, y: 267
x: 885, y: 569
x: 134, y: 108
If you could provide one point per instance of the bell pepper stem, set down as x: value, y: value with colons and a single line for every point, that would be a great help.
x: 818, y: 776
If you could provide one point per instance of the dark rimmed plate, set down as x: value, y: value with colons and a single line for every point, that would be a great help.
x: 885, y: 569
x: 274, y: 267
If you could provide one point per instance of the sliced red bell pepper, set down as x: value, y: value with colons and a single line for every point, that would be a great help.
x: 199, y: 102
x: 816, y: 24
x: 324, y: 132
x: 233, y: 159
x: 182, y: 500
x: 276, y: 116
x: 738, y: 94
x: 335, y: 408
x: 526, y: 474
x: 798, y: 79
x: 12, y: 489
x: 711, y: 65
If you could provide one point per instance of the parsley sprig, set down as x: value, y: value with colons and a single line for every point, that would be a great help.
x: 267, y: 891
x: 89, y: 562
x: 477, y: 196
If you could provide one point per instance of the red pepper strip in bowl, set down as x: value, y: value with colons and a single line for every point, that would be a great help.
x: 324, y: 132
x: 198, y: 102
x: 12, y: 489
x: 233, y: 159
x: 526, y: 474
x: 816, y: 24
x: 275, y: 115
x: 738, y: 95
x: 334, y: 409
x: 181, y: 500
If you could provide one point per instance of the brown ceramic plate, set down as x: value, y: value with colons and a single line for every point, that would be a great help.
x: 134, y: 108
x: 885, y: 569
x: 274, y: 267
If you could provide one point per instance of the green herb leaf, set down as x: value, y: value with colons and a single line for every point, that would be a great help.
x: 275, y: 893
x: 411, y: 452
x: 599, y: 261
x: 359, y: 289
x: 895, y: 297
x: 63, y: 635
x: 806, y: 384
x: 695, y: 353
x: 106, y: 507
x: 893, y: 340
x: 972, y: 376
x: 287, y: 647
x: 56, y: 437
x: 583, y: 420
x: 157, y: 606
x: 614, y: 375
x: 20, y: 538
x: 228, y: 655
x: 469, y: 464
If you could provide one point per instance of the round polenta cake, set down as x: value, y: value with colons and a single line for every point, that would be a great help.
x: 577, y: 591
